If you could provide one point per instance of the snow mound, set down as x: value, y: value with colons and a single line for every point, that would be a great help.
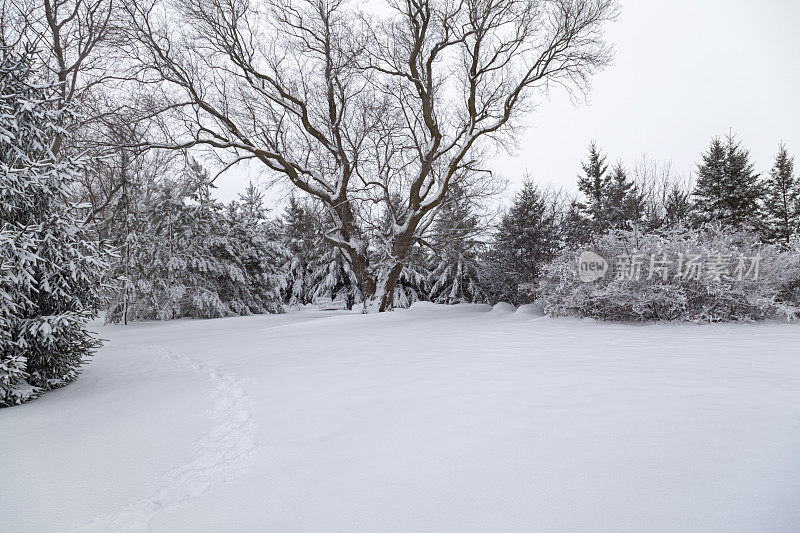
x: 452, y: 309
x: 503, y: 307
x: 530, y: 310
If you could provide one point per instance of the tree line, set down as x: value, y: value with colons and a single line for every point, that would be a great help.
x: 374, y: 116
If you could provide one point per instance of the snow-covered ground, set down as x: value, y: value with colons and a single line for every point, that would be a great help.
x: 434, y: 419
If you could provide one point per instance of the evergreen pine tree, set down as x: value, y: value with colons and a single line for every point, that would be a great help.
x: 252, y: 244
x: 782, y: 199
x: 413, y: 284
x: 528, y: 237
x: 455, y: 272
x: 677, y: 207
x: 576, y: 229
x: 330, y: 276
x: 623, y: 203
x: 595, y: 185
x: 51, y: 273
x: 300, y: 237
x: 710, y: 192
x: 122, y: 227
x: 727, y: 189
x: 315, y: 269
x: 190, y: 256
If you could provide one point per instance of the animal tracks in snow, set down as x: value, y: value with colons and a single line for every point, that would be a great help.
x: 219, y: 456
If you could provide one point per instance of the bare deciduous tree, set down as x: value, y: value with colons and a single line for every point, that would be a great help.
x: 359, y: 110
x: 75, y: 39
x: 665, y: 195
x: 78, y: 42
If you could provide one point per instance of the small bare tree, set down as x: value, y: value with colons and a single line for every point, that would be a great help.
x: 361, y: 110
x: 665, y: 195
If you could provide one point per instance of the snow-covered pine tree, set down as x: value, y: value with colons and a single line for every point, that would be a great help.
x: 300, y: 238
x: 455, y: 272
x: 315, y: 269
x: 120, y: 225
x: 576, y: 229
x: 192, y: 257
x: 594, y: 185
x: 51, y: 273
x: 150, y: 261
x: 624, y: 203
x: 330, y: 276
x: 527, y: 237
x: 677, y: 207
x: 201, y: 265
x: 413, y: 284
x: 727, y: 189
x: 782, y: 199
x: 252, y: 245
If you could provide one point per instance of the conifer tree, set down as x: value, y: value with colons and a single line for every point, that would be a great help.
x: 677, y: 207
x: 576, y: 228
x: 301, y: 238
x: 314, y: 268
x: 727, y: 189
x: 623, y: 203
x: 528, y: 237
x: 252, y: 244
x: 51, y: 272
x: 782, y: 199
x: 455, y: 271
x: 711, y: 190
x: 190, y: 256
x: 594, y: 185
x: 330, y: 276
x: 413, y: 284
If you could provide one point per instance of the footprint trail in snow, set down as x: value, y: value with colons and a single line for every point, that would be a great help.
x: 219, y: 456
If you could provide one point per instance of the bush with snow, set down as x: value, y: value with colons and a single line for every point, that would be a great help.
x: 712, y: 274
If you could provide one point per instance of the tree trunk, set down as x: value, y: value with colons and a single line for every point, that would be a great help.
x: 386, y: 285
x: 401, y: 244
x: 360, y: 265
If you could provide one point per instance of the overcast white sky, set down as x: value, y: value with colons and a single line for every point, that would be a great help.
x: 684, y: 72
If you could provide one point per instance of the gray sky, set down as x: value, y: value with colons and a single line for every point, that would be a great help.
x: 684, y: 72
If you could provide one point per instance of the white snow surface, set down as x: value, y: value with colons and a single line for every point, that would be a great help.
x: 436, y: 419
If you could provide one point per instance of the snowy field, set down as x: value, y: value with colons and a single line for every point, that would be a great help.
x: 434, y: 419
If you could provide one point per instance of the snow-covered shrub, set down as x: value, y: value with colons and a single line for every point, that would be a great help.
x: 50, y: 272
x: 713, y: 274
